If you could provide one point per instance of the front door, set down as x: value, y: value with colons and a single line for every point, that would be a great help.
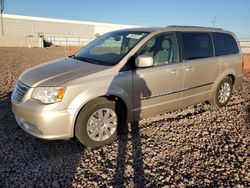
x: 158, y: 89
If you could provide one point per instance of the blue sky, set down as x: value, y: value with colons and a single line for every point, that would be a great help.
x: 233, y: 15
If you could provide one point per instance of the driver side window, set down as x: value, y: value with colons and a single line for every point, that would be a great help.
x: 163, y: 48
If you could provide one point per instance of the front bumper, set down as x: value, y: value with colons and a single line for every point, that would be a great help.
x: 44, y: 121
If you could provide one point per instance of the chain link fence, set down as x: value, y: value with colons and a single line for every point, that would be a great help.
x: 66, y: 41
x: 82, y: 41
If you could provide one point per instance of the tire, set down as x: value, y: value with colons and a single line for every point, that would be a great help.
x: 220, y: 100
x: 87, y: 125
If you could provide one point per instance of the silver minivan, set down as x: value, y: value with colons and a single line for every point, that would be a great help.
x: 124, y: 76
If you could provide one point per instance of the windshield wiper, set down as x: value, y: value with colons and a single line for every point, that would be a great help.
x: 72, y: 56
x: 84, y: 59
x: 87, y: 60
x: 81, y: 58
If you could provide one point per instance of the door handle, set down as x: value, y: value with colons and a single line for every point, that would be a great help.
x: 174, y: 71
x: 189, y: 68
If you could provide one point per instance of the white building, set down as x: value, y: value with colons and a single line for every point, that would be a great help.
x: 58, y: 31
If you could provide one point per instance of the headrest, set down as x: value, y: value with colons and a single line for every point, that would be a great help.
x: 165, y: 44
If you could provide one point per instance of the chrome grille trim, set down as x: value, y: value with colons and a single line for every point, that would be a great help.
x: 19, y: 92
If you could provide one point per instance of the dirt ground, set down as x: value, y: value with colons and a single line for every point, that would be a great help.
x: 246, y: 59
x: 13, y: 61
x: 198, y: 146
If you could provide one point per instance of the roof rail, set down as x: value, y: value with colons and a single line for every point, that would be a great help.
x: 195, y: 27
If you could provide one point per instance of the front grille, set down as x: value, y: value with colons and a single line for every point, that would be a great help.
x: 19, y: 92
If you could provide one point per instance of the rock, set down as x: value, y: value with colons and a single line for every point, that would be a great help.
x: 168, y: 178
x: 94, y: 183
x: 226, y: 148
x: 104, y: 176
x: 55, y: 184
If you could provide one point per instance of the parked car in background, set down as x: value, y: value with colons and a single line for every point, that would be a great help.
x: 124, y: 76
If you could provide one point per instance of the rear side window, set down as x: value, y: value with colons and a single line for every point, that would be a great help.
x: 224, y: 44
x: 197, y: 45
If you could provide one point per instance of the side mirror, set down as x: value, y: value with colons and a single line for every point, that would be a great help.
x: 144, y: 61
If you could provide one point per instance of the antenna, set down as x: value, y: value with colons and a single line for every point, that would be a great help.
x: 215, y: 19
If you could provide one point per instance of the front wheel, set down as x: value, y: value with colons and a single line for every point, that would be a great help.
x: 97, y: 123
x: 223, y: 93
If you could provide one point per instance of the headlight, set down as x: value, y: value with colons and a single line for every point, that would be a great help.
x: 49, y: 95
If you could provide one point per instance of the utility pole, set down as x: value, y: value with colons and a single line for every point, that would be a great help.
x: 1, y: 14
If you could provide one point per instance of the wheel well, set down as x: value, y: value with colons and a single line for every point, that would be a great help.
x: 232, y: 78
x: 118, y: 100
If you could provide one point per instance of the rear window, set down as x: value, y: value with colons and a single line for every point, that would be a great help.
x: 197, y: 45
x: 224, y: 44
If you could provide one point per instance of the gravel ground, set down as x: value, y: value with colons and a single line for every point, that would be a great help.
x: 199, y: 146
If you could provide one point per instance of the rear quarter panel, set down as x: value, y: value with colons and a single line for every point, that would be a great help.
x: 230, y: 65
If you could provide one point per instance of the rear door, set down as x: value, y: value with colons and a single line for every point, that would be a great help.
x: 201, y: 68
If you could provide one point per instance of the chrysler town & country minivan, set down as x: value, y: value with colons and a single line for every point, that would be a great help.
x: 124, y: 76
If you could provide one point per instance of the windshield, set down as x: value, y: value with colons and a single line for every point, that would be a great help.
x: 110, y: 48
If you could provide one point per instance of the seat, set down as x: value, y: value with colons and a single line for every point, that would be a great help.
x: 163, y: 56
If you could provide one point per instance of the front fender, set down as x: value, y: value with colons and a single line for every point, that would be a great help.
x: 93, y: 93
x: 90, y: 94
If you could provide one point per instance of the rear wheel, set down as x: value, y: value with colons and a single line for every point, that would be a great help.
x: 223, y: 93
x: 97, y: 123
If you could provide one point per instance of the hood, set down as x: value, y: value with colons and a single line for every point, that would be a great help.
x: 57, y: 72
